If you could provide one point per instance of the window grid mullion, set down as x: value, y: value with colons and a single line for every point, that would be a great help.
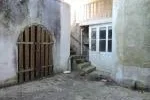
x: 97, y: 39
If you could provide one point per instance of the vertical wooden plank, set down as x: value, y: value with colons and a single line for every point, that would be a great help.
x: 38, y: 66
x: 46, y: 53
x: 32, y: 52
x: 20, y: 59
x: 42, y: 52
x: 27, y: 54
x: 50, y: 56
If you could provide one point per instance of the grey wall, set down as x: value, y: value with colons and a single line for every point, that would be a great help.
x: 131, y: 23
x: 15, y: 15
x: 76, y: 38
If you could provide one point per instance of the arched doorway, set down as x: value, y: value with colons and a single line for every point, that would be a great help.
x: 35, y: 58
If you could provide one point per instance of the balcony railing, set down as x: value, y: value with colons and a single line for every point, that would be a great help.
x: 95, y: 10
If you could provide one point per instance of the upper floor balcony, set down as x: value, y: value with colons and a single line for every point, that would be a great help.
x: 95, y: 10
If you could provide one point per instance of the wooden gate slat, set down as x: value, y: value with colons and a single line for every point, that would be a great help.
x: 42, y: 53
x: 38, y: 34
x: 32, y: 53
x: 46, y: 53
x: 27, y: 54
x: 50, y: 57
x: 20, y: 59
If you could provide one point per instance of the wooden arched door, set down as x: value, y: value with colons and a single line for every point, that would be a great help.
x: 35, y: 58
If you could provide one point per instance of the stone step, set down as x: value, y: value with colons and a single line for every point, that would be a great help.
x: 87, y: 70
x: 83, y: 65
x: 82, y: 60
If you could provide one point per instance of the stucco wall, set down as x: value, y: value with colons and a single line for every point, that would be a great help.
x: 131, y: 23
x: 65, y: 36
x: 15, y: 15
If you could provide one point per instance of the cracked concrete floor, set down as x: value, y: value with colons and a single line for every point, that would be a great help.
x: 69, y: 87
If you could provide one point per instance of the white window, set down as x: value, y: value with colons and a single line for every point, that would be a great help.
x: 102, y: 40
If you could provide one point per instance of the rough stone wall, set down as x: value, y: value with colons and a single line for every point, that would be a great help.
x: 15, y: 15
x: 132, y: 30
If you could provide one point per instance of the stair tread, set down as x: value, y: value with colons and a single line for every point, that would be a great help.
x: 83, y: 65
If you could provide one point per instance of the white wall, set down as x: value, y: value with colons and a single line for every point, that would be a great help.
x: 51, y: 14
x: 64, y: 37
x: 131, y: 26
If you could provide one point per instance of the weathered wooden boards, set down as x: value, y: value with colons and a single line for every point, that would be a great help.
x: 35, y: 59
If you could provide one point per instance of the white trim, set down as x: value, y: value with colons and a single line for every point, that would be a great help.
x: 97, y: 39
x: 107, y: 39
x: 89, y: 39
x: 96, y: 22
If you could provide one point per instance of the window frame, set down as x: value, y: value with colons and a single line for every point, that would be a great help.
x: 102, y: 39
x: 98, y: 38
x: 91, y: 39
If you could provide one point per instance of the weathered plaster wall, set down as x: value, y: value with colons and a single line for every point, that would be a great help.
x: 15, y: 15
x: 131, y: 23
x: 65, y: 36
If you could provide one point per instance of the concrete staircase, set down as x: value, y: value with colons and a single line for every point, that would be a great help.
x: 82, y: 65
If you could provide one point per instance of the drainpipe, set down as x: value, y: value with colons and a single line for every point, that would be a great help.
x: 81, y: 41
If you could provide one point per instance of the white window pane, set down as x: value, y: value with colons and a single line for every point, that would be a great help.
x: 110, y: 27
x: 103, y: 28
x: 109, y: 45
x: 93, y: 34
x: 103, y: 33
x: 102, y: 45
x: 109, y: 32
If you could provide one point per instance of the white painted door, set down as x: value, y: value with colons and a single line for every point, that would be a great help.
x: 100, y: 37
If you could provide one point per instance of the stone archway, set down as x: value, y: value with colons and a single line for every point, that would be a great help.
x: 35, y: 56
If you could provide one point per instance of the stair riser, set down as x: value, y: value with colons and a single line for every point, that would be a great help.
x: 80, y: 61
x: 78, y: 57
x: 88, y: 71
x: 91, y: 70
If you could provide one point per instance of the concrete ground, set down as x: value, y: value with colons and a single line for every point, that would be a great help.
x: 70, y: 87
